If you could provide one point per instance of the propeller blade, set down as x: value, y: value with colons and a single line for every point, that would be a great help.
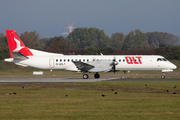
x: 114, y: 69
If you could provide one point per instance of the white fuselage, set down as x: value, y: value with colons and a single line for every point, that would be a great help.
x: 125, y: 62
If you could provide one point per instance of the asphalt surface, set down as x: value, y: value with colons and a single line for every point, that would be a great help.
x: 59, y: 79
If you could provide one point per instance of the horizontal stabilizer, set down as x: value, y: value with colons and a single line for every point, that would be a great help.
x: 18, y: 56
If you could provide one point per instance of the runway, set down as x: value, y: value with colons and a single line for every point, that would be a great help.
x: 59, y: 80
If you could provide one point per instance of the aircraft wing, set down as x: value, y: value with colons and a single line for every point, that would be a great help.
x: 83, y: 66
x: 94, y: 66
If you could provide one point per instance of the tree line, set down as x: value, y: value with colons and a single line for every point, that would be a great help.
x: 95, y: 41
x: 82, y: 38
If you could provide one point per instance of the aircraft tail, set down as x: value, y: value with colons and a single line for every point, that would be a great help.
x: 16, y: 45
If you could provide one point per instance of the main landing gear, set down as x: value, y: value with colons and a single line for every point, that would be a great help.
x: 86, y: 76
x: 96, y: 75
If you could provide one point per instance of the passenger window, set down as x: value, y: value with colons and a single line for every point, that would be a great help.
x: 71, y: 59
x: 87, y: 60
x: 60, y: 60
x: 68, y: 60
x: 123, y: 60
x: 64, y: 60
x: 83, y: 60
x: 119, y: 60
x: 79, y: 60
x: 56, y: 60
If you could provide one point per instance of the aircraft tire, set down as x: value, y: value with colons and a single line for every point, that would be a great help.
x: 96, y: 75
x: 163, y: 76
x: 85, y: 76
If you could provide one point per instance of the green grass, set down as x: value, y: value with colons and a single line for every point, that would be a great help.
x: 134, y: 101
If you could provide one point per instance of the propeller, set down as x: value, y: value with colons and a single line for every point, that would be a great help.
x: 114, y: 65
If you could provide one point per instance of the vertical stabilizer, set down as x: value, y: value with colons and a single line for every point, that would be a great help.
x: 15, y: 44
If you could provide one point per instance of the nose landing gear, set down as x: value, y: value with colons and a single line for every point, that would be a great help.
x: 163, y: 75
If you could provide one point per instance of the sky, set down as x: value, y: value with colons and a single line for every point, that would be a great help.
x: 49, y: 17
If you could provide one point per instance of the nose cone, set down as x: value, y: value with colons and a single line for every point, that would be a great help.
x: 174, y: 66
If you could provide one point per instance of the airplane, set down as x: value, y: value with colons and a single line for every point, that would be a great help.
x: 26, y: 57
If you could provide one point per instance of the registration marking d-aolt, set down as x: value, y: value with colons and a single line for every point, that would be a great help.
x: 133, y: 60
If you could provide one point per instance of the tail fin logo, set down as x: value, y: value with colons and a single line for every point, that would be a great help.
x: 18, y: 45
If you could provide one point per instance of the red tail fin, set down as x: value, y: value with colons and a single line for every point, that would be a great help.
x: 15, y: 44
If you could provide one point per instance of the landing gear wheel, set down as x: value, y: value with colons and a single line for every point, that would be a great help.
x: 163, y: 76
x: 85, y: 76
x: 96, y: 75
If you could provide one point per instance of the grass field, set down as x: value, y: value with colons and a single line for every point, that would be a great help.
x: 84, y: 101
x: 134, y: 100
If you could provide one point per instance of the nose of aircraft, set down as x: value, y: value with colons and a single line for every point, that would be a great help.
x: 173, y: 66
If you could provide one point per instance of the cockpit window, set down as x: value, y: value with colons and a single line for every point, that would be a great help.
x: 164, y: 59
x: 159, y: 59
